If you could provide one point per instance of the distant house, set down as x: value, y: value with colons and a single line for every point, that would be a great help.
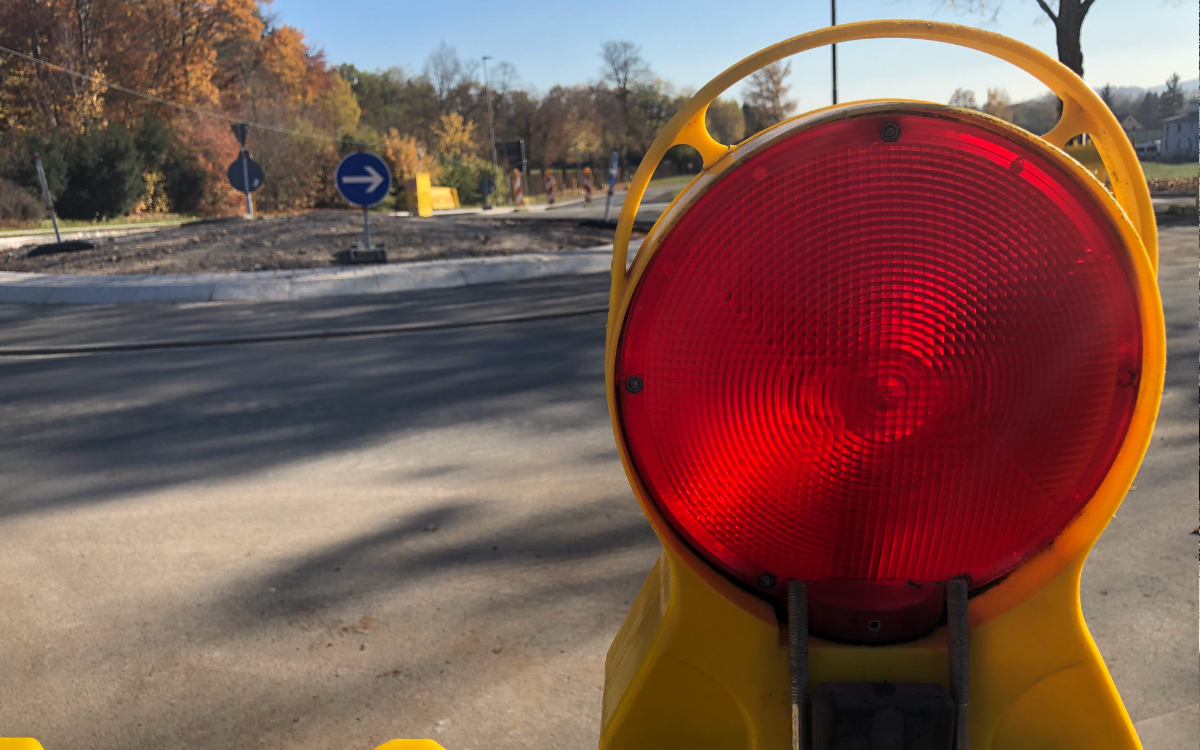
x: 1179, y: 135
x: 1130, y: 123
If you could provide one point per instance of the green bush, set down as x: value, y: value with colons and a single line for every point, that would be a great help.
x: 465, y: 176
x: 461, y: 176
x: 186, y: 181
x: 104, y: 175
x: 153, y: 142
x: 17, y: 166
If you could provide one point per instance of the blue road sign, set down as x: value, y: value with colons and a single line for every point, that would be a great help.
x: 363, y: 179
x: 239, y: 172
x: 612, y: 171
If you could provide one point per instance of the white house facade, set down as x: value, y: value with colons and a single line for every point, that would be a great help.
x: 1179, y: 135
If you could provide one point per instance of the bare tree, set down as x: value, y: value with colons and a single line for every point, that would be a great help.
x: 1067, y: 16
x: 504, y: 77
x: 964, y: 98
x: 998, y: 104
x: 765, y: 96
x: 624, y: 66
x: 444, y: 69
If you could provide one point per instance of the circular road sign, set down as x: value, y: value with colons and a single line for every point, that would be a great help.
x: 363, y: 179
x: 237, y: 177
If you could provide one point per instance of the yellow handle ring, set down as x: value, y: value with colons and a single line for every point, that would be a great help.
x: 1083, y: 112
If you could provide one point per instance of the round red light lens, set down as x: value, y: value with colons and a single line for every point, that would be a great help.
x: 876, y: 358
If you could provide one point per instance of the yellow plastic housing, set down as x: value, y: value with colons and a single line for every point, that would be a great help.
x: 701, y: 663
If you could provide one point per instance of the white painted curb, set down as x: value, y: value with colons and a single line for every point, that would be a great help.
x: 67, y: 289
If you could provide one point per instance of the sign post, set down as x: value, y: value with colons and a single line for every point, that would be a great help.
x: 612, y: 182
x: 486, y: 188
x: 524, y: 161
x: 37, y: 162
x: 363, y: 179
x: 246, y: 176
x: 240, y: 131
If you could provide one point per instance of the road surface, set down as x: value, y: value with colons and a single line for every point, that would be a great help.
x: 331, y: 543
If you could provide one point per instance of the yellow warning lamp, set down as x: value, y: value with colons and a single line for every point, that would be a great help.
x: 879, y: 376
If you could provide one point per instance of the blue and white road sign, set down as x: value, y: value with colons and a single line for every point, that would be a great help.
x: 612, y: 171
x: 363, y: 179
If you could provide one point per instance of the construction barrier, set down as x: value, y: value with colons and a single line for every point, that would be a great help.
x: 424, y: 198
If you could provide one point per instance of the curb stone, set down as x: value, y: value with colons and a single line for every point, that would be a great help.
x: 68, y: 289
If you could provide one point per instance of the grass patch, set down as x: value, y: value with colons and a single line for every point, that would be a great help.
x: 125, y: 221
x: 682, y: 179
x: 1156, y: 170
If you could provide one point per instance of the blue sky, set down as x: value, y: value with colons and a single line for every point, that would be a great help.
x: 1125, y: 42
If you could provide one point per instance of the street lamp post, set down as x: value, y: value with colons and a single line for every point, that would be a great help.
x: 491, y: 122
x: 833, y: 47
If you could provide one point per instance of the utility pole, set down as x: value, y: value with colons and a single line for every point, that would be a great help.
x: 491, y: 121
x: 833, y: 47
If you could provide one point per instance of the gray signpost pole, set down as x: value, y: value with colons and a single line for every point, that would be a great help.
x: 491, y: 125
x: 37, y: 161
x: 524, y: 164
x: 246, y: 182
x: 240, y: 131
x: 366, y: 219
x: 612, y: 182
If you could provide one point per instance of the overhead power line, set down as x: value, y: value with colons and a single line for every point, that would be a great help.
x: 168, y: 102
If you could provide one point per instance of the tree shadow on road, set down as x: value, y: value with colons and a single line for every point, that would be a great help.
x: 94, y: 429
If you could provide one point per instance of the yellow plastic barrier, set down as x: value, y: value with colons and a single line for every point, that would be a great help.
x: 424, y: 198
x: 442, y: 198
x: 28, y: 743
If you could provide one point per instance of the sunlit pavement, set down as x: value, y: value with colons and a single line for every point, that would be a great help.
x: 333, y: 543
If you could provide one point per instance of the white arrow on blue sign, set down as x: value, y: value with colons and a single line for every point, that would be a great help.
x: 363, y: 179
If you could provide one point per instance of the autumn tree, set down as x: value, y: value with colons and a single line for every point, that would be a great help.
x: 406, y: 155
x: 34, y: 97
x: 572, y: 126
x: 454, y: 137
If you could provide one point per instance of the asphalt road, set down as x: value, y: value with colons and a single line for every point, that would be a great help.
x: 311, y: 544
x: 654, y: 202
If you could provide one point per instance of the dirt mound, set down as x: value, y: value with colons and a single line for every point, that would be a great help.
x: 318, y: 239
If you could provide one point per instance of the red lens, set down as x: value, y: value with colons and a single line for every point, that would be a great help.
x: 881, y: 359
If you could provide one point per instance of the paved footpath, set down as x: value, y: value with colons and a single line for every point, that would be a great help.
x: 330, y: 543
